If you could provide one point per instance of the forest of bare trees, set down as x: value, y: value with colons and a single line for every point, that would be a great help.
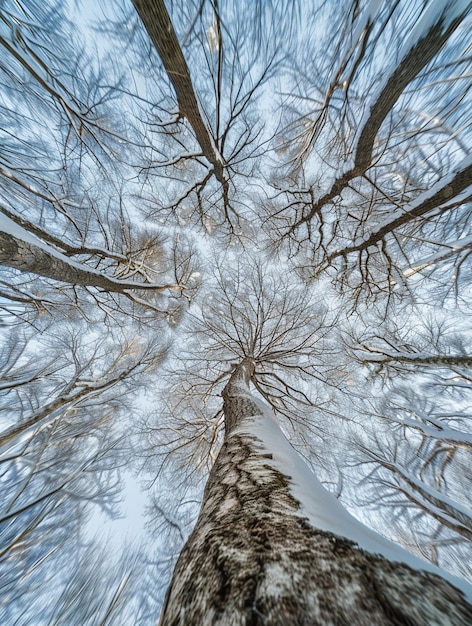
x: 226, y: 226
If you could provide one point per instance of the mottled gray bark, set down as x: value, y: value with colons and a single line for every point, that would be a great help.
x: 29, y: 257
x: 252, y: 559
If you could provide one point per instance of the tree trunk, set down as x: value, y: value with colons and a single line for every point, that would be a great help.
x: 254, y: 558
x: 158, y: 24
x: 27, y: 253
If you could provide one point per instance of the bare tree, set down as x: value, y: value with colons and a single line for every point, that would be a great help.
x: 253, y: 312
x: 253, y: 555
x: 61, y: 444
x: 77, y: 373
x: 71, y: 226
x: 239, y: 330
x: 117, y: 601
x: 417, y: 453
x: 159, y: 26
x: 217, y: 107
x: 50, y: 486
x: 340, y: 133
x: 385, y: 214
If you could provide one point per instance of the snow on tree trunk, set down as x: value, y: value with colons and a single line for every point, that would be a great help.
x: 24, y: 251
x: 255, y: 558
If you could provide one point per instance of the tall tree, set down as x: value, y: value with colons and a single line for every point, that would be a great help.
x: 335, y: 137
x: 254, y: 557
x: 73, y: 225
x: 356, y: 200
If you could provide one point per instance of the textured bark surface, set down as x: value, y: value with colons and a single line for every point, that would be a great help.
x: 411, y: 65
x: 252, y: 559
x: 28, y: 257
x: 157, y: 22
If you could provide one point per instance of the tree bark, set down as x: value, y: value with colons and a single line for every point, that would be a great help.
x: 44, y: 261
x: 254, y: 559
x: 408, y: 69
x: 158, y: 24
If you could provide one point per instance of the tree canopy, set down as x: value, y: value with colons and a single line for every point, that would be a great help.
x: 186, y: 185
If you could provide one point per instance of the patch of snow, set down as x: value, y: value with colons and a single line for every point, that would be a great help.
x: 369, y: 14
x: 439, y: 11
x: 321, y: 507
x: 354, y: 50
x: 439, y: 430
x: 10, y: 227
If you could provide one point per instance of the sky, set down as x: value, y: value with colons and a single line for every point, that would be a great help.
x: 263, y: 183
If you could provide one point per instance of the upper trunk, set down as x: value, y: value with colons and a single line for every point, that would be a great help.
x: 158, y: 24
x: 253, y: 558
